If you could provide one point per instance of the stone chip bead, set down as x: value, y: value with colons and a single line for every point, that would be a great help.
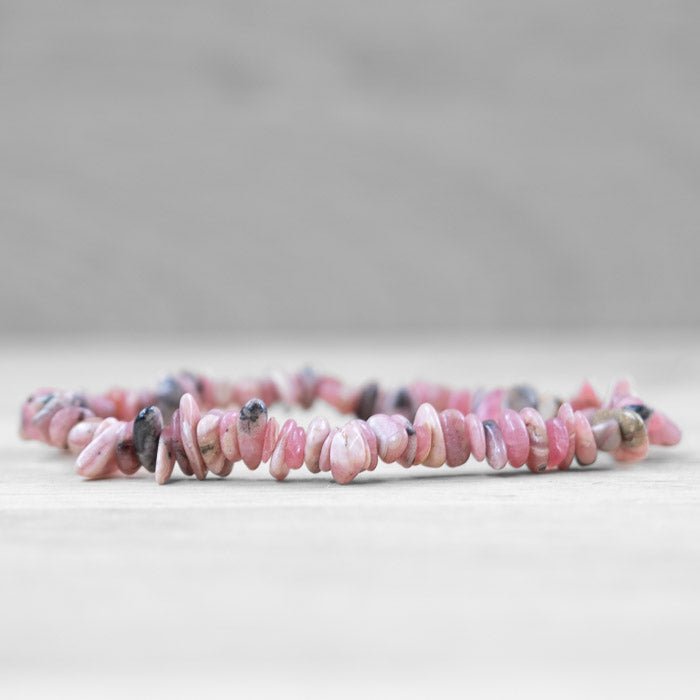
x: 391, y: 437
x: 515, y: 436
x: 209, y: 443
x: 427, y: 416
x: 316, y: 434
x: 165, y: 457
x: 349, y: 453
x: 97, y: 461
x: 252, y: 420
x: 537, y: 434
x: 454, y: 431
x: 189, y: 417
x: 496, y: 454
x: 146, y: 433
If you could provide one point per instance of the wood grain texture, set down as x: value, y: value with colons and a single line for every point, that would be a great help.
x: 412, y: 583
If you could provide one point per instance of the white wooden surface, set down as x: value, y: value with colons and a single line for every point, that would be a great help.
x: 426, y: 582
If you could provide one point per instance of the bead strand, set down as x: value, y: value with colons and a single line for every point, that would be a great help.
x: 503, y: 428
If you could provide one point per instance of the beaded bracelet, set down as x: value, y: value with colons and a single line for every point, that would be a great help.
x: 205, y: 425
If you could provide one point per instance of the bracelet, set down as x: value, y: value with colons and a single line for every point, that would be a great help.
x: 207, y: 425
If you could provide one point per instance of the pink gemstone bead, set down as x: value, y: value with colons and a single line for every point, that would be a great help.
x: 461, y: 400
x: 349, y: 453
x: 586, y: 398
x: 566, y: 416
x: 477, y: 438
x: 427, y: 415
x: 279, y: 466
x: 456, y: 439
x: 82, y: 433
x: 318, y: 431
x: 491, y: 405
x: 558, y: 442
x: 407, y: 459
x: 515, y: 436
x: 96, y: 461
x: 126, y: 458
x: 165, y: 457
x: 63, y: 421
x: 537, y: 434
x: 496, y: 453
x: 391, y: 437
x: 189, y: 417
x: 324, y: 460
x: 662, y: 430
x: 228, y: 436
x: 251, y: 432
x: 371, y: 440
x: 586, y: 449
x: 271, y: 434
x: 294, y: 450
x: 209, y: 444
x: 178, y: 447
x: 423, y: 440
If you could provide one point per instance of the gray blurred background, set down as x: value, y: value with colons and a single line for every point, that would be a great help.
x: 337, y: 165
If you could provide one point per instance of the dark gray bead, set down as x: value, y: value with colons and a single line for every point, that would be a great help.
x: 147, y: 428
x: 521, y: 396
x: 644, y: 411
x: 368, y: 401
x: 250, y: 413
x: 168, y: 393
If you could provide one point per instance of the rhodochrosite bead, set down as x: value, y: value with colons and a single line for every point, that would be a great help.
x: 204, y: 425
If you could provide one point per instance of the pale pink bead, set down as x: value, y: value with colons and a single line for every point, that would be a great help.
x: 189, y: 417
x: 106, y: 423
x: 586, y: 398
x: 318, y: 431
x: 515, y: 436
x: 557, y: 441
x: 537, y: 434
x: 391, y: 437
x: 566, y: 415
x: 97, y: 460
x: 252, y: 420
x: 165, y: 457
x: 101, y: 405
x: 371, y: 440
x: 428, y: 416
x: 620, y: 389
x: 349, y: 453
x: 662, y: 430
x: 324, y: 460
x: 586, y: 449
x: 461, y: 400
x: 63, y: 421
x: 477, y: 438
x: 337, y: 394
x: 271, y: 433
x: 491, y: 405
x: 287, y: 387
x: 82, y: 433
x: 178, y: 448
x: 228, y: 436
x: 279, y: 467
x: 41, y: 420
x: 208, y: 442
x: 454, y: 430
x: 496, y: 452
x: 409, y: 454
x: 294, y: 450
x: 423, y: 436
x: 126, y: 458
